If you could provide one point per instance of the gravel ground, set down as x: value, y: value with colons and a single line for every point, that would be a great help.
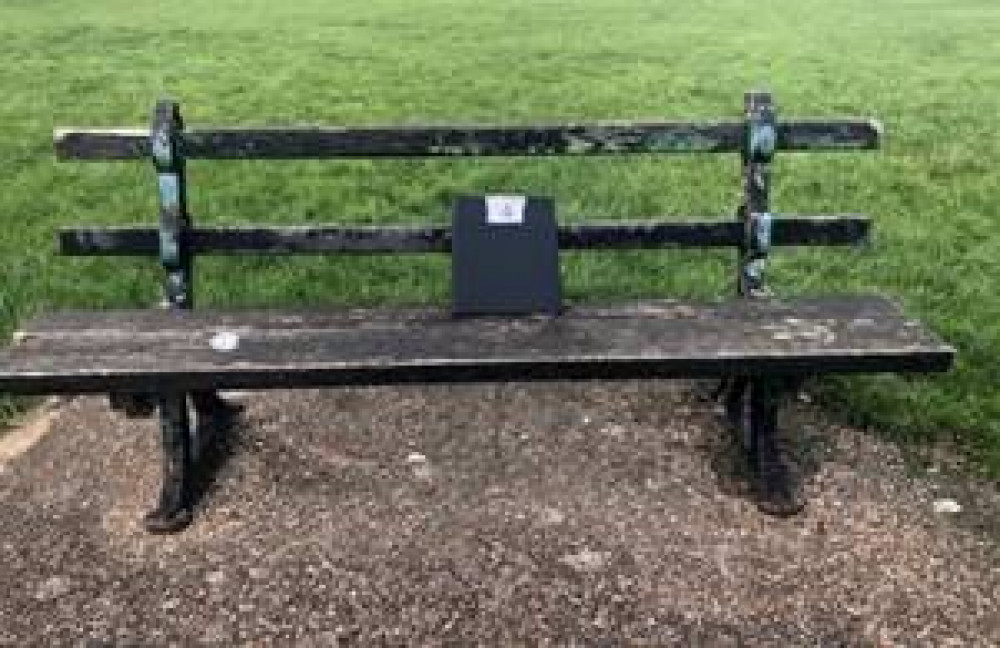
x: 560, y: 513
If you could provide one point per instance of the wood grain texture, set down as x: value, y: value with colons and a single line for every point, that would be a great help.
x: 599, y: 138
x: 151, y: 351
x: 845, y: 229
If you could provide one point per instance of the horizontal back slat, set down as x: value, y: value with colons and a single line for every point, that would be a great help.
x: 601, y: 138
x: 144, y: 241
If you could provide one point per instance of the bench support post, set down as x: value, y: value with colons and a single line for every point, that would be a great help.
x: 761, y: 139
x: 744, y: 399
x: 173, y: 512
x: 213, y: 415
x: 752, y: 407
x: 752, y: 404
x: 168, y: 158
x: 183, y: 440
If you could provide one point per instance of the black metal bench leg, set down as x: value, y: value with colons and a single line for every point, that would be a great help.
x: 213, y: 415
x: 734, y: 394
x: 173, y: 512
x: 775, y: 487
x: 212, y: 404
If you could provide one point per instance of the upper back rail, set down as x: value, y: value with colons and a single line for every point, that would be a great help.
x: 598, y: 138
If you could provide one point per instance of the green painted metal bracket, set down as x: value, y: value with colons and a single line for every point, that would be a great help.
x: 759, y: 146
x: 165, y: 143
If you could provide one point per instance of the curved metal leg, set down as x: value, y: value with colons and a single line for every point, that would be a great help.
x: 212, y: 415
x: 173, y: 511
x: 186, y: 463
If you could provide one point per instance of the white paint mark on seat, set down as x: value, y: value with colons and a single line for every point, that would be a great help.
x: 225, y: 342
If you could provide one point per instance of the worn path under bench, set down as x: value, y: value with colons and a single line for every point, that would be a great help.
x: 561, y: 511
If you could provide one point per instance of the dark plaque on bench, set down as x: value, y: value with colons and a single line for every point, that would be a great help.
x: 505, y: 256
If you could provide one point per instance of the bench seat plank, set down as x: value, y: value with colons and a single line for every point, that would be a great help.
x: 150, y: 350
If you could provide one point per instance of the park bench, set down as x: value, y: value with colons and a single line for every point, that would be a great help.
x: 176, y: 360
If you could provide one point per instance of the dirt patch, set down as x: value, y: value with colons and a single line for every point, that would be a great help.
x: 496, y: 514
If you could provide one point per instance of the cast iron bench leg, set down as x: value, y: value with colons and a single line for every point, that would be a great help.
x: 210, y: 403
x: 213, y: 416
x: 733, y: 392
x: 184, y: 446
x: 752, y: 407
x: 775, y: 487
x: 173, y: 512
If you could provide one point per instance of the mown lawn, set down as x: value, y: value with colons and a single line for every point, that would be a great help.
x: 929, y: 69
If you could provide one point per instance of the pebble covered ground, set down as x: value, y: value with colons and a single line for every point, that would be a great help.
x: 569, y: 514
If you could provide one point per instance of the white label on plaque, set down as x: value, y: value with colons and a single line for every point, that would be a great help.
x: 505, y: 210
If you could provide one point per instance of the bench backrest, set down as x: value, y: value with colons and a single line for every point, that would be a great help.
x: 757, y: 137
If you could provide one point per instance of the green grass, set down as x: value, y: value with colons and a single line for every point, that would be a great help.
x: 929, y: 69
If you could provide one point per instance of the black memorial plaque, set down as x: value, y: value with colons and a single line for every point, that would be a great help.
x: 505, y: 256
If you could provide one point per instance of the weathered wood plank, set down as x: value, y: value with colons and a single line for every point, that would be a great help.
x: 102, y: 144
x: 823, y: 135
x: 149, y: 351
x: 599, y: 138
x: 789, y: 230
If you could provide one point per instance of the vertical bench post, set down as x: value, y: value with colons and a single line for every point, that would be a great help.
x: 168, y: 158
x: 176, y: 254
x: 752, y: 404
x: 761, y: 138
x: 173, y: 512
x: 775, y: 488
x: 183, y: 438
x: 757, y: 152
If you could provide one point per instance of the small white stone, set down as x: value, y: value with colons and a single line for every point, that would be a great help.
x: 614, y: 430
x: 259, y: 573
x: 947, y: 506
x: 215, y: 578
x: 552, y: 516
x: 423, y: 472
x: 422, y: 469
x: 225, y: 341
x: 53, y: 588
x: 586, y: 560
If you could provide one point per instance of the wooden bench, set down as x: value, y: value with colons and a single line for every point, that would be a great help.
x: 176, y: 359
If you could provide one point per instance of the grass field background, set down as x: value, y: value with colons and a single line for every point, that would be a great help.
x: 929, y: 69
